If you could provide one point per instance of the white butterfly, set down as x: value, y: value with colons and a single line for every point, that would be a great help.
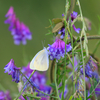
x: 40, y: 61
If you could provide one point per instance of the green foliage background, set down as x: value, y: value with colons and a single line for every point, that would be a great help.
x: 36, y: 14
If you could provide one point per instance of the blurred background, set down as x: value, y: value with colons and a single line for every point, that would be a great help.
x: 36, y: 14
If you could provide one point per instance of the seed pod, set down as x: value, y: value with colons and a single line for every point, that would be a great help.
x: 57, y: 27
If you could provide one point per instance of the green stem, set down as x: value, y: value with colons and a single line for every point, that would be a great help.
x: 72, y: 56
x: 83, y: 32
x: 92, y: 87
x: 36, y: 88
x: 83, y: 69
x: 96, y: 47
x: 66, y: 35
x: 24, y: 86
x: 56, y: 81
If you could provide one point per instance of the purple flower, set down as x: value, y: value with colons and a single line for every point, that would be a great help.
x: 76, y: 61
x: 65, y: 92
x: 46, y: 89
x: 63, y: 15
x: 4, y: 95
x: 76, y: 29
x: 90, y: 69
x: 19, y: 30
x: 10, y: 12
x: 36, y: 80
x: 12, y: 70
x: 97, y: 90
x: 73, y: 16
x: 62, y: 32
x: 57, y: 49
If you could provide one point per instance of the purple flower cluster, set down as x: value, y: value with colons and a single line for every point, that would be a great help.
x: 62, y: 32
x: 73, y: 16
x: 5, y: 95
x: 90, y: 69
x: 12, y: 70
x: 37, y: 80
x: 19, y: 30
x: 57, y: 49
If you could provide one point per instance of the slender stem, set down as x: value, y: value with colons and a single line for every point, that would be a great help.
x: 83, y: 32
x: 36, y: 88
x: 88, y: 37
x: 66, y: 35
x: 56, y: 81
x: 72, y: 56
x: 96, y: 47
x: 70, y: 9
x: 24, y: 86
x: 93, y: 37
x: 94, y: 88
x: 70, y: 59
x: 83, y: 69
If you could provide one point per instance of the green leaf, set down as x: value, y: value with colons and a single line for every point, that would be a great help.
x: 49, y: 33
x: 91, y: 89
x: 61, y: 87
x: 53, y: 85
x: 95, y: 83
x: 89, y: 97
x: 80, y: 98
x: 68, y: 70
x: 57, y: 27
x: 71, y: 97
x: 31, y: 96
x: 56, y: 20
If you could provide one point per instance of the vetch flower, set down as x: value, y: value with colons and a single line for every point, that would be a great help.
x: 12, y: 70
x: 62, y: 32
x: 46, y: 89
x: 19, y: 30
x: 65, y: 92
x: 57, y: 49
x: 97, y: 90
x: 90, y: 69
x: 73, y: 16
x: 36, y: 80
x: 63, y: 15
x: 5, y: 95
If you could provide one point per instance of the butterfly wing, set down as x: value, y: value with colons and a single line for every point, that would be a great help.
x: 41, y: 61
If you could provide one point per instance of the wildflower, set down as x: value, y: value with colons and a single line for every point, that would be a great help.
x: 36, y: 78
x: 65, y: 92
x: 12, y: 70
x: 19, y: 30
x: 73, y: 16
x: 97, y: 90
x: 90, y: 69
x: 62, y: 32
x: 5, y: 95
x: 57, y: 49
x: 63, y: 15
x: 46, y: 89
x: 76, y: 61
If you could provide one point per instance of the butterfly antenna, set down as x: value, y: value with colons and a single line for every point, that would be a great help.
x: 43, y: 43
